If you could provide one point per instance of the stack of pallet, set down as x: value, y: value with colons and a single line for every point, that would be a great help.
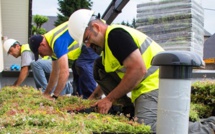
x: 174, y: 24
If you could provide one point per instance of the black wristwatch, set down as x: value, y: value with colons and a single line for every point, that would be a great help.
x: 55, y: 97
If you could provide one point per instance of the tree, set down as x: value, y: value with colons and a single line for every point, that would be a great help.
x: 133, y: 24
x: 123, y: 23
x: 38, y: 21
x: 67, y: 7
x: 126, y: 23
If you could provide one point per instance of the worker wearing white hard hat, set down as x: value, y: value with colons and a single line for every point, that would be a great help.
x: 14, y: 48
x: 125, y: 66
x: 80, y: 24
x: 9, y: 43
x: 41, y: 68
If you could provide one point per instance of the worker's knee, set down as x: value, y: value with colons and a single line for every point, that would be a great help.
x: 146, y: 108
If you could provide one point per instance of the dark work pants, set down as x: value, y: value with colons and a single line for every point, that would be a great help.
x: 83, y: 82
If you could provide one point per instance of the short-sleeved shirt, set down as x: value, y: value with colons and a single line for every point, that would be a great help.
x: 121, y: 44
x: 26, y: 58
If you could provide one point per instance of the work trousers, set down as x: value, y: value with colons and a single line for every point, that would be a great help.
x: 204, y: 126
x: 41, y: 71
x: 83, y: 82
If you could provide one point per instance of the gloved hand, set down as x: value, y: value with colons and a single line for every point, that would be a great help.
x: 15, y: 67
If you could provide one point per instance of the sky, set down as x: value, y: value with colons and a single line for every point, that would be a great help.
x: 128, y: 12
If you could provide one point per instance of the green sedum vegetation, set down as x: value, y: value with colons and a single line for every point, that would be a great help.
x: 25, y: 110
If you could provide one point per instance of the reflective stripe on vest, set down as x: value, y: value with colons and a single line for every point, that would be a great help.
x: 73, y: 47
x: 58, y: 32
x: 142, y: 49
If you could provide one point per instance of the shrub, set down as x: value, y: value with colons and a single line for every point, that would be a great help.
x: 203, y: 94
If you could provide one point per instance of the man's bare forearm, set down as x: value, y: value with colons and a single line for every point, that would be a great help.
x: 63, y: 74
x: 97, y: 93
x: 22, y: 76
x: 52, y: 78
x: 62, y: 79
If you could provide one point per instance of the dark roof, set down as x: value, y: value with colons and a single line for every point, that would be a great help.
x: 49, y: 25
x: 209, y: 47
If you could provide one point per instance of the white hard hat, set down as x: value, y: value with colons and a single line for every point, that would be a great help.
x: 78, y: 22
x: 8, y: 43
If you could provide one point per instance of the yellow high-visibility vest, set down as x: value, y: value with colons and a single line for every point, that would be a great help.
x: 148, y: 49
x: 73, y: 48
x: 25, y: 47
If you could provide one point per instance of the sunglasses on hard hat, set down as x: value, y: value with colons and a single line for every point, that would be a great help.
x: 87, y: 38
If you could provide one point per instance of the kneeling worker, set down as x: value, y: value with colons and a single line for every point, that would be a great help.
x: 41, y: 68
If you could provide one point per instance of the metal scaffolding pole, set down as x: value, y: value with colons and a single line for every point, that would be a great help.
x: 113, y: 10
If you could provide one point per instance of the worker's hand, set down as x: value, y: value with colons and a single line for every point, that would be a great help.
x: 103, y: 105
x: 91, y: 97
x: 97, y: 94
x: 48, y: 97
x: 46, y: 92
